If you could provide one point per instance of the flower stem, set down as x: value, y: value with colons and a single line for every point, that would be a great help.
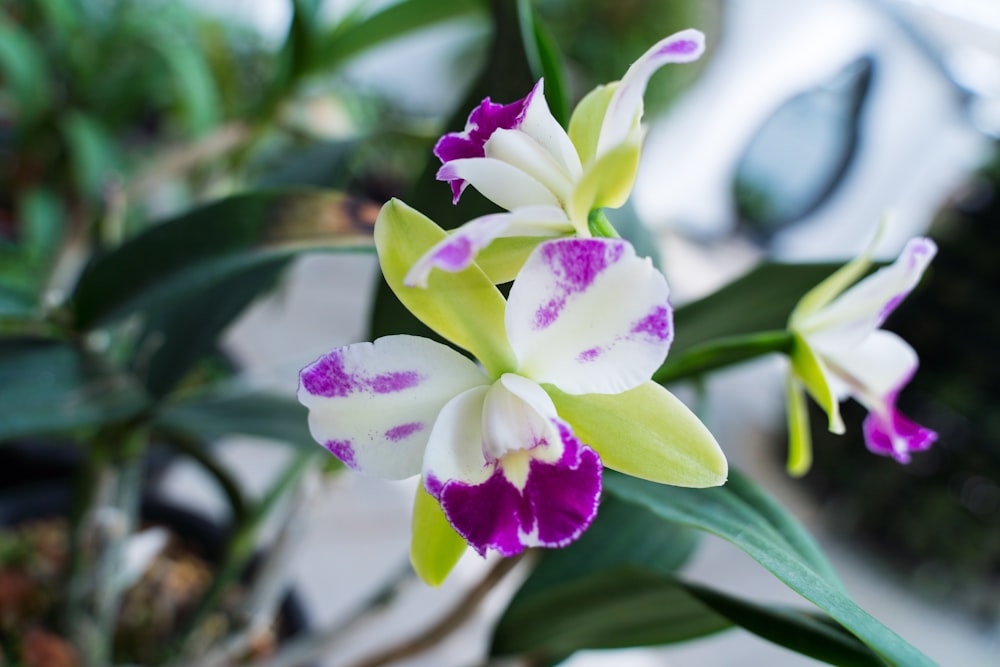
x: 600, y: 226
x: 721, y: 353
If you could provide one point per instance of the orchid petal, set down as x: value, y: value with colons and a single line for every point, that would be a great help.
x: 608, y: 181
x: 647, y: 433
x: 519, y: 416
x: 455, y: 448
x: 625, y: 107
x: 457, y: 251
x: 504, y: 184
x: 874, y: 368
x: 523, y: 152
x: 589, y: 316
x: 373, y: 405
x: 889, y: 433
x: 831, y: 287
x: 799, y: 436
x: 435, y: 547
x: 553, y: 505
x: 464, y: 307
x: 587, y: 119
x: 816, y: 378
x: 864, y: 307
x: 539, y: 123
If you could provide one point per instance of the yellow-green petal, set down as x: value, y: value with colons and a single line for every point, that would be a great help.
x: 646, y: 432
x: 502, y: 259
x: 799, y: 438
x: 463, y: 307
x: 607, y: 183
x: 435, y: 547
x: 587, y: 120
x: 809, y: 370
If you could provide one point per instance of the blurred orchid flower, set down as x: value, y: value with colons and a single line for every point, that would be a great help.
x: 511, y: 450
x: 549, y: 180
x: 840, y: 351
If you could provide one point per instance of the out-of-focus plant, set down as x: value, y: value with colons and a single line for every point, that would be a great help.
x: 152, y: 189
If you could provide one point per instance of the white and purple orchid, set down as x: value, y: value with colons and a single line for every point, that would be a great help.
x: 840, y: 351
x: 549, y: 180
x: 512, y: 448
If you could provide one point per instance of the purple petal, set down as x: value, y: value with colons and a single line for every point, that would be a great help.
x: 484, y: 120
x: 557, y: 503
x: 894, y: 435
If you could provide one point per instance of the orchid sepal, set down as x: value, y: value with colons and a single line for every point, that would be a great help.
x: 646, y: 432
x: 435, y: 547
x: 799, y: 436
x: 813, y: 376
x: 464, y: 307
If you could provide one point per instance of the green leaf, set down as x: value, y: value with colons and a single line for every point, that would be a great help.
x: 15, y: 302
x: 23, y: 71
x: 181, y: 257
x: 741, y: 514
x: 49, y: 385
x: 435, y: 547
x: 193, y: 84
x: 760, y: 300
x: 464, y: 307
x: 544, y: 59
x: 229, y: 410
x: 92, y: 152
x: 646, y: 432
x: 617, y: 608
x: 396, y: 20
x: 42, y: 220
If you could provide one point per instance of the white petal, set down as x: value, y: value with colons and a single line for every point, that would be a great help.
x: 873, y: 369
x: 459, y: 250
x: 505, y: 185
x: 861, y: 309
x: 519, y: 415
x: 589, y: 316
x: 541, y: 125
x: 374, y: 404
x: 522, y: 151
x: 626, y: 103
x: 455, y: 448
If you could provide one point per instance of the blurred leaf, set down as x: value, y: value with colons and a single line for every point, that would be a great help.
x: 351, y: 38
x: 193, y: 83
x: 23, y: 71
x: 228, y: 410
x: 92, y: 153
x: 42, y: 222
x: 743, y: 515
x: 545, y: 60
x: 760, y: 300
x: 15, y: 302
x: 617, y: 608
x: 52, y: 385
x: 179, y: 258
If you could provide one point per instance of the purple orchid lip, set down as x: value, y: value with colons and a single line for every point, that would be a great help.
x: 557, y: 504
x: 484, y: 120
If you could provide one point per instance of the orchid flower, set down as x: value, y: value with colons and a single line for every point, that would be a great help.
x: 839, y: 351
x: 549, y: 180
x: 511, y: 449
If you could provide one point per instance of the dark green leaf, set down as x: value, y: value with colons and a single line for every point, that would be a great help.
x: 193, y: 83
x: 613, y: 609
x: 198, y: 250
x: 15, y: 302
x: 92, y: 153
x: 23, y: 71
x: 52, y: 385
x: 761, y: 300
x: 228, y: 411
x: 394, y: 21
x: 735, y: 513
x: 545, y: 60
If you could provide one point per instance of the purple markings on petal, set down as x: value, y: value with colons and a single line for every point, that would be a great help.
x: 896, y: 436
x: 590, y: 355
x: 484, y: 120
x: 575, y: 264
x: 658, y: 325
x: 557, y: 504
x: 403, y: 431
x: 454, y: 256
x: 343, y: 450
x: 329, y: 377
x: 681, y: 47
x: 433, y: 486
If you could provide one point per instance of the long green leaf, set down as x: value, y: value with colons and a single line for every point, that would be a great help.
x: 193, y: 252
x: 735, y: 513
x: 394, y: 21
x: 48, y: 386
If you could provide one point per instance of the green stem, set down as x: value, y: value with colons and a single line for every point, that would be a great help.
x: 197, y: 450
x: 600, y: 226
x: 721, y: 353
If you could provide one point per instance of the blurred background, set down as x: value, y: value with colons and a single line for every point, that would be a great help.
x: 802, y: 127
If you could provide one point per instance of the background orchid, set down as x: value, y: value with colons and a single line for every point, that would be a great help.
x: 839, y: 351
x: 550, y: 180
x: 510, y: 451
